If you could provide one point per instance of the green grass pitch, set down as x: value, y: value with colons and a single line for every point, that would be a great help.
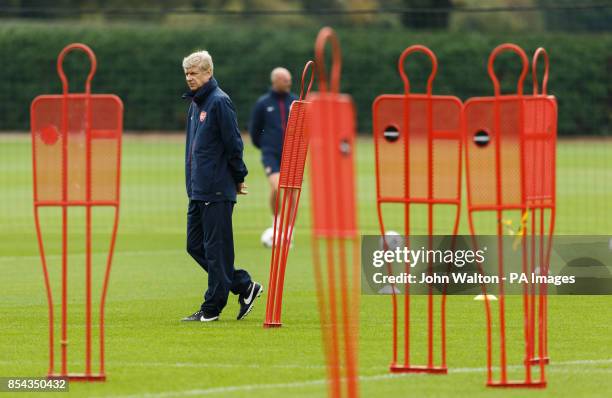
x: 154, y: 283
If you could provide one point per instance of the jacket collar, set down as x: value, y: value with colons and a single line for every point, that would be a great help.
x: 277, y: 95
x: 199, y: 96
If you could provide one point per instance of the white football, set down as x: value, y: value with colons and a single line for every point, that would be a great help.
x: 267, y: 237
x: 394, y: 240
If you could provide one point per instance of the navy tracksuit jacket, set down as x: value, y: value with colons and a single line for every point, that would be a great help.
x: 213, y: 168
x: 267, y: 126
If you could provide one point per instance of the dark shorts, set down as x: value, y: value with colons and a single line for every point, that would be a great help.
x: 271, y: 163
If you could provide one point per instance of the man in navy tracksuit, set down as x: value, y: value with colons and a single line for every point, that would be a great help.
x: 214, y: 172
x: 267, y: 126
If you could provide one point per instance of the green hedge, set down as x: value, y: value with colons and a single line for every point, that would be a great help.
x: 143, y: 66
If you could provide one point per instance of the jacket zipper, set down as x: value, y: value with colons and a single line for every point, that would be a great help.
x: 191, y: 148
x: 281, y: 105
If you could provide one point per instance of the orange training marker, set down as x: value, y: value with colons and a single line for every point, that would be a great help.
x: 418, y: 163
x: 76, y: 155
x: 295, y: 148
x: 335, y: 236
x: 510, y: 143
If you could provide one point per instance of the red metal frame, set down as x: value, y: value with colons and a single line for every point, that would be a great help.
x: 65, y: 202
x: 295, y: 148
x: 395, y: 110
x: 334, y: 227
x: 542, y: 312
x: 532, y: 142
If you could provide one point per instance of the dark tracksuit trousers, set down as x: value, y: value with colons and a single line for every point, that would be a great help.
x: 210, y: 241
